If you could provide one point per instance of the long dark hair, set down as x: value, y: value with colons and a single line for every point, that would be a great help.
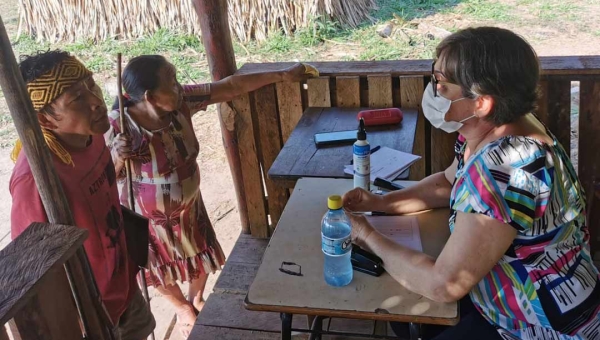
x: 140, y: 75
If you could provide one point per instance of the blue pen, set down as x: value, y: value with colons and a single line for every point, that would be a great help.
x: 373, y: 150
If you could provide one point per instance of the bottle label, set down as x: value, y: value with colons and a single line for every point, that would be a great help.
x: 339, y: 246
x: 362, y: 150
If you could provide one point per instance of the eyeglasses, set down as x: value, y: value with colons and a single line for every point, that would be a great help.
x: 435, y: 82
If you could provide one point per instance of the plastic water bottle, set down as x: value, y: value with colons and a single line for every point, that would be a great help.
x: 336, y: 244
x: 362, y: 158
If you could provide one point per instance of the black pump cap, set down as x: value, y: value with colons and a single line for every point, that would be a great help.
x: 361, y: 134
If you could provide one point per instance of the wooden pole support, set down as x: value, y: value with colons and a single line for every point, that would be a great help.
x: 216, y: 38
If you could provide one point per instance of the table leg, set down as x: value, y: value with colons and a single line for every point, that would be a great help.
x: 286, y: 326
x: 415, y: 331
x: 318, y: 326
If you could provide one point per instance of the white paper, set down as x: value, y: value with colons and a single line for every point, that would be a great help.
x: 403, y: 230
x: 387, y: 163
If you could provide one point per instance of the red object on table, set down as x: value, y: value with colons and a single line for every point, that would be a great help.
x: 381, y: 116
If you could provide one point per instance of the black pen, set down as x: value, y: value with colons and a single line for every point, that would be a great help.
x: 373, y: 150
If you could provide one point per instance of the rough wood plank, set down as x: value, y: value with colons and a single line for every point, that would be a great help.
x: 348, y: 91
x: 25, y: 261
x: 442, y: 149
x: 3, y: 333
x: 555, y: 65
x: 251, y: 173
x: 318, y: 92
x: 301, y: 158
x: 248, y: 250
x: 51, y: 314
x: 542, y: 102
x: 289, y: 101
x: 269, y: 139
x: 589, y: 133
x: 227, y: 310
x: 559, y: 111
x: 411, y: 94
x: 380, y: 91
x: 207, y: 332
x: 235, y: 278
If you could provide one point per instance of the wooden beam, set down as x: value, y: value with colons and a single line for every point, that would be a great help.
x: 574, y: 65
x: 216, y: 38
x: 85, y: 291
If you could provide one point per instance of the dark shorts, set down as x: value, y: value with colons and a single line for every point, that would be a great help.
x: 137, y: 321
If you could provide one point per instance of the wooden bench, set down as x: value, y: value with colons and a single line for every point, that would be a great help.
x: 224, y: 316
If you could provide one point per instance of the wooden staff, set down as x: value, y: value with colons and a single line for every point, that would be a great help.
x: 129, y: 183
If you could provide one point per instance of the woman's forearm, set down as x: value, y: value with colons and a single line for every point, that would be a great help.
x: 430, y: 193
x: 413, y: 270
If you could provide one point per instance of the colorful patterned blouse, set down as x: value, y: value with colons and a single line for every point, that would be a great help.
x: 545, y: 286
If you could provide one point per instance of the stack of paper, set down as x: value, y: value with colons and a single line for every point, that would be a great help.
x: 387, y: 163
x: 403, y: 230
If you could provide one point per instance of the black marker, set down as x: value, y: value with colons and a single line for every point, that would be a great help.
x: 388, y: 185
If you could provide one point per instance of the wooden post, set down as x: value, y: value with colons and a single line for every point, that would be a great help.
x: 216, y: 38
x: 83, y: 285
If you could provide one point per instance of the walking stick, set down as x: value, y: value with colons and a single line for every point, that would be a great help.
x: 129, y: 182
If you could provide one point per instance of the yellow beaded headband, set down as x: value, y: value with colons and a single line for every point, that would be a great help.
x: 49, y: 86
x: 44, y: 90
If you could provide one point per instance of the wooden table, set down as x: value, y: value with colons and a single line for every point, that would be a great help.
x: 297, y: 238
x: 300, y: 157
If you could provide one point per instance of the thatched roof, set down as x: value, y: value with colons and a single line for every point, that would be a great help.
x: 69, y: 20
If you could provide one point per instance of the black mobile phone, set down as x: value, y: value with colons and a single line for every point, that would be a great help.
x: 335, y: 137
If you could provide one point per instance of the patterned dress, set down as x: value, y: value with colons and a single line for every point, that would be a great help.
x: 166, y: 185
x: 545, y: 286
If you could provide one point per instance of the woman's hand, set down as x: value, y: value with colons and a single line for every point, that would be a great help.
x: 296, y: 73
x: 359, y: 199
x: 122, y: 146
x: 361, y: 229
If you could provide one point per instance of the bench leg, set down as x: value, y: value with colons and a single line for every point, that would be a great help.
x: 286, y: 326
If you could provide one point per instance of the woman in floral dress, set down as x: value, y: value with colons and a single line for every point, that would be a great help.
x: 160, y: 142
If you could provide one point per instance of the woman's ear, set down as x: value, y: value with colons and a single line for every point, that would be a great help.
x: 149, y: 97
x: 484, y: 106
x: 46, y: 121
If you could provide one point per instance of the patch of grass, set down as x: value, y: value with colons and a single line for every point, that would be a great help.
x: 411, y: 9
x: 486, y: 10
x: 558, y: 10
x: 597, y: 33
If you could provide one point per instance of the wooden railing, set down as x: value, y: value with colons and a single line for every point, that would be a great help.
x: 265, y: 118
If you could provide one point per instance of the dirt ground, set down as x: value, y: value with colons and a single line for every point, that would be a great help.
x: 217, y: 187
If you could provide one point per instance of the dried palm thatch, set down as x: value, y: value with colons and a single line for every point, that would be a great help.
x: 69, y: 20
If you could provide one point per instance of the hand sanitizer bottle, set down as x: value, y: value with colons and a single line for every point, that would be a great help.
x: 362, y: 158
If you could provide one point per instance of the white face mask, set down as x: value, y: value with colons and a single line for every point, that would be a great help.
x: 435, y: 109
